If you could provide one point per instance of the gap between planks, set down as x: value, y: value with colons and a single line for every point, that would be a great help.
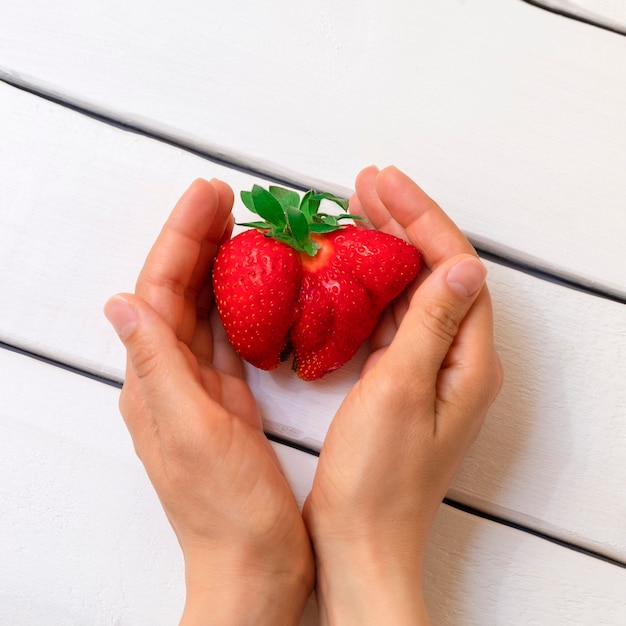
x: 313, y: 452
x: 242, y: 165
x: 579, y: 14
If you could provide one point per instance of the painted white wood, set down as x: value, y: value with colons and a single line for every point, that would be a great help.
x: 481, y: 572
x: 551, y: 453
x: 512, y: 116
x: 82, y: 233
x: 608, y: 13
x: 83, y: 539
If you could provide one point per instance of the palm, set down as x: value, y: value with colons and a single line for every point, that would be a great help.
x: 240, y: 468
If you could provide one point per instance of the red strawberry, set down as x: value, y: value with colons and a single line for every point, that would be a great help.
x: 305, y: 284
x: 255, y: 276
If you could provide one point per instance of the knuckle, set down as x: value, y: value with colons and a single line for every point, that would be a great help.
x: 145, y: 361
x: 439, y: 320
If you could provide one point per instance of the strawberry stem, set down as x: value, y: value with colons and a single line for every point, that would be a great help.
x: 292, y: 220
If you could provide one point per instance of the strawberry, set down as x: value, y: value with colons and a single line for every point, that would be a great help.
x: 299, y: 282
x: 253, y: 277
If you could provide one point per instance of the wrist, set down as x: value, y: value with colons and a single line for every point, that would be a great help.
x: 365, y: 585
x: 241, y: 593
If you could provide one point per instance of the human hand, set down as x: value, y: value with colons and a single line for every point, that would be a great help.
x: 196, y: 427
x: 402, y: 431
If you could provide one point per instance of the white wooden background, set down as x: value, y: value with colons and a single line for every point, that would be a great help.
x: 512, y: 117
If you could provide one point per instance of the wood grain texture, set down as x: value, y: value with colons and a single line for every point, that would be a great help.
x: 83, y: 539
x: 513, y: 117
x: 550, y: 455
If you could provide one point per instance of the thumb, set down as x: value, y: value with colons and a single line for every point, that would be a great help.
x: 434, y: 317
x: 153, y: 350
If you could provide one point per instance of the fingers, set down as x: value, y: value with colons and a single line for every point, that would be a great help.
x: 471, y: 375
x: 392, y: 202
x: 368, y: 204
x: 432, y: 325
x: 225, y: 359
x: 161, y: 386
x: 180, y: 258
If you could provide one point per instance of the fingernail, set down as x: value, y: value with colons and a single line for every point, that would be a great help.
x: 122, y: 315
x: 467, y: 277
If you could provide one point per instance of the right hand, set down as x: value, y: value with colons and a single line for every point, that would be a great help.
x: 403, y: 430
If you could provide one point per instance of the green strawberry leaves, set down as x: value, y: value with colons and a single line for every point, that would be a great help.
x: 267, y: 206
x: 300, y: 230
x: 291, y: 220
x: 286, y: 197
x: 311, y: 202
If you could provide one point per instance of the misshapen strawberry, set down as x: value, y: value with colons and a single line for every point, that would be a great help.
x: 300, y: 282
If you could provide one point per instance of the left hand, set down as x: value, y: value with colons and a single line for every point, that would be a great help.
x: 197, y: 429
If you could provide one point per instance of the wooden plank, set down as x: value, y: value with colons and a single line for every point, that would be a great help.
x: 550, y: 453
x: 610, y: 14
x: 512, y: 116
x: 83, y: 539
x: 83, y: 231
x: 481, y: 572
